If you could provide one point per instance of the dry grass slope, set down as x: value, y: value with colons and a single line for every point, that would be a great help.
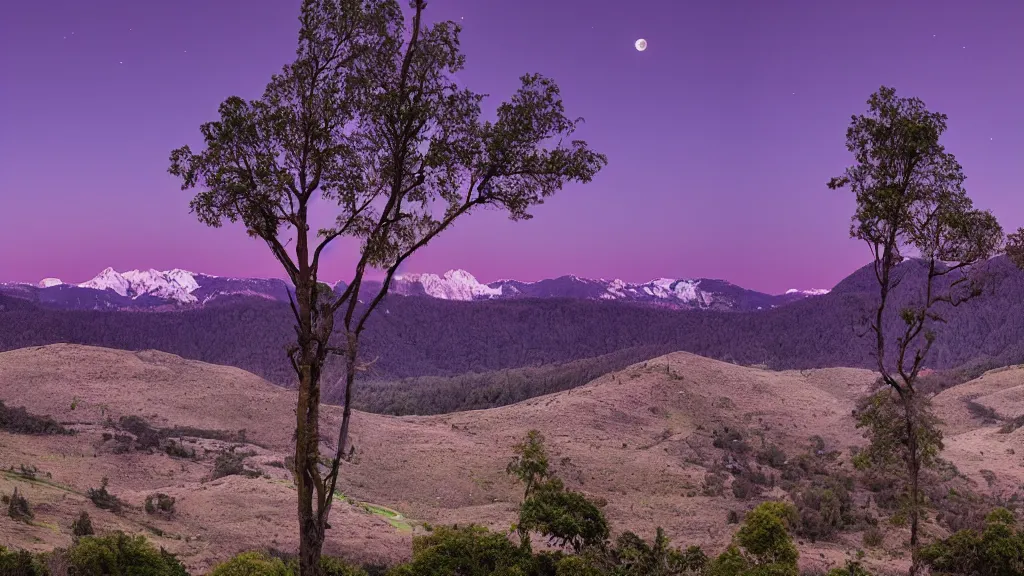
x: 640, y: 439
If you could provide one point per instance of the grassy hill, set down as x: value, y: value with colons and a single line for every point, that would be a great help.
x: 650, y: 441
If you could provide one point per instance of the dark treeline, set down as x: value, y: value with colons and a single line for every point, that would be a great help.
x: 413, y: 337
x: 472, y: 390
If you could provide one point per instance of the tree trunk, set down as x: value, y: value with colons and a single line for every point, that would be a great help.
x: 914, y: 468
x: 307, y: 436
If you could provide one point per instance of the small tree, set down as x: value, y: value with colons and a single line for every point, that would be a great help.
x: 530, y: 463
x: 82, y: 526
x: 370, y: 124
x: 910, y: 196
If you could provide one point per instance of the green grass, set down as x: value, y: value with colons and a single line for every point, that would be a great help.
x: 16, y: 476
x: 393, y: 517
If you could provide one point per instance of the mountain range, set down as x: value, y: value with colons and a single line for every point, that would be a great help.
x: 177, y: 289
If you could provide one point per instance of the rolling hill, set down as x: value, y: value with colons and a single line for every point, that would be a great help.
x: 642, y: 439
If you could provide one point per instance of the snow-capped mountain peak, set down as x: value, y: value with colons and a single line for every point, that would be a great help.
x: 811, y: 292
x: 453, y: 285
x: 171, y: 285
x: 50, y: 282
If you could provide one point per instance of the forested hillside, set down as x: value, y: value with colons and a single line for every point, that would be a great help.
x: 415, y: 336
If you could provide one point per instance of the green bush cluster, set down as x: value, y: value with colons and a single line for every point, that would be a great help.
x: 116, y: 554
x: 996, y: 550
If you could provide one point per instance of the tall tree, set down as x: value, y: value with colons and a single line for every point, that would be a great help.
x: 370, y: 124
x: 911, y: 198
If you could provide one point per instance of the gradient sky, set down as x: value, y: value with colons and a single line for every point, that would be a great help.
x: 720, y: 137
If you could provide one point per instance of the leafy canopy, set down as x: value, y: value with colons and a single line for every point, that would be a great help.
x: 377, y: 127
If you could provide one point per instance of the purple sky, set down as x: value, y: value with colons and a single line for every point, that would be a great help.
x: 720, y: 136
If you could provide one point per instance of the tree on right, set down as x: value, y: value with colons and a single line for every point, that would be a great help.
x: 915, y: 216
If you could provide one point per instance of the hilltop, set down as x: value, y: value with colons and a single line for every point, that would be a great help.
x: 642, y: 439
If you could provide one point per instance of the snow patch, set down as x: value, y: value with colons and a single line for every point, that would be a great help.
x: 812, y: 292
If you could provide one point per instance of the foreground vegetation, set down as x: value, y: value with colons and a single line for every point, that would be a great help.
x: 561, y: 532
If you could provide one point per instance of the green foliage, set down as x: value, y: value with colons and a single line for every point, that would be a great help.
x: 252, y: 564
x: 466, y: 551
x: 888, y: 453
x: 852, y: 568
x: 104, y: 500
x: 567, y: 518
x: 998, y: 550
x: 18, y: 507
x: 82, y: 526
x: 20, y: 421
x: 530, y: 463
x: 121, y: 555
x: 909, y: 189
x: 20, y: 563
x: 765, y: 539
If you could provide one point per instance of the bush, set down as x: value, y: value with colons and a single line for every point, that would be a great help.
x: 161, y: 503
x: 742, y: 488
x: 20, y: 421
x: 873, y: 537
x: 995, y: 551
x: 467, y: 551
x: 765, y: 538
x: 771, y: 455
x: 252, y: 564
x: 105, y: 500
x: 231, y: 463
x: 178, y: 450
x: 82, y: 526
x: 146, y: 437
x: 565, y: 517
x: 20, y: 563
x: 18, y: 508
x: 713, y: 485
x: 120, y: 554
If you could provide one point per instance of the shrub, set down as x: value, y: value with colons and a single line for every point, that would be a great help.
x: 104, y: 500
x: 765, y: 539
x: 252, y: 564
x: 467, y: 551
x: 730, y: 440
x: 851, y: 568
x: 565, y: 517
x: 742, y: 488
x: 713, y: 484
x: 733, y: 517
x: 146, y: 437
x: 178, y: 450
x: 82, y: 526
x: 20, y: 563
x: 1012, y: 425
x: 20, y: 421
x: 771, y: 455
x: 18, y: 508
x: 161, y: 503
x: 995, y: 551
x: 120, y: 554
x: 873, y: 537
x: 231, y: 463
